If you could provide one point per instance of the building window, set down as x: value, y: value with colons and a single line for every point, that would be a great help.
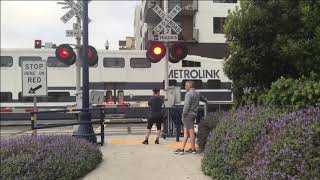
x: 218, y: 23
x: 5, y: 96
x: 55, y: 62
x: 225, y: 1
x: 29, y: 58
x: 140, y: 63
x: 186, y: 63
x: 113, y: 62
x: 6, y: 61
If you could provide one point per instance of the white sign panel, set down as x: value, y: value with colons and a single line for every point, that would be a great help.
x: 76, y: 9
x: 77, y: 26
x: 69, y: 15
x: 34, y: 78
x: 73, y: 33
x: 166, y: 37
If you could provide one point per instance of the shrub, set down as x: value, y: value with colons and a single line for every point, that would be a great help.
x: 232, y: 139
x: 289, y: 148
x: 264, y: 143
x: 47, y: 157
x: 294, y: 94
x: 287, y: 93
x: 205, y: 127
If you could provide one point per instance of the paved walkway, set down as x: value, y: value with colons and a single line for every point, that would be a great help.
x: 125, y: 158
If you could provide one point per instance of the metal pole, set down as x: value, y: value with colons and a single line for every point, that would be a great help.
x: 85, y: 130
x: 78, y: 69
x: 78, y: 76
x: 166, y: 57
x: 34, y: 117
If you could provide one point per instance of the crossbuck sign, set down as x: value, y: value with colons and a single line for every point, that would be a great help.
x: 167, y: 19
x: 76, y: 9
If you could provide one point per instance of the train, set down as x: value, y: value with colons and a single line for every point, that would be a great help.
x: 120, y: 74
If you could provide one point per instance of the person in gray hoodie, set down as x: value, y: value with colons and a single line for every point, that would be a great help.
x: 189, y: 114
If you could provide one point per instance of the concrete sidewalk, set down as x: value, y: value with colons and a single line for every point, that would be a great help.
x: 125, y: 158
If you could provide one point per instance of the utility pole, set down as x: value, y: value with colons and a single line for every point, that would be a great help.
x: 85, y: 130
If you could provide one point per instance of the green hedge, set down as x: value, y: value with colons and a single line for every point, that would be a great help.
x: 287, y: 93
x: 47, y: 157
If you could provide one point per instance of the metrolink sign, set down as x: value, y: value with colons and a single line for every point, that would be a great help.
x: 199, y: 73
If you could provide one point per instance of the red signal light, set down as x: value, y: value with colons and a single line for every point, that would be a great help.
x: 37, y: 44
x: 177, y: 53
x: 65, y: 54
x: 156, y: 52
x: 92, y: 55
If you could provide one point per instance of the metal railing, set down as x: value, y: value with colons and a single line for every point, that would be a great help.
x: 35, y: 126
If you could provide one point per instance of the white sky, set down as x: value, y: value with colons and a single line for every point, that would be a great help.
x: 24, y: 21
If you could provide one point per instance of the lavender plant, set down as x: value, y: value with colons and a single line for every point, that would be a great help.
x: 47, y: 157
x: 289, y: 148
x: 264, y: 143
x: 232, y: 139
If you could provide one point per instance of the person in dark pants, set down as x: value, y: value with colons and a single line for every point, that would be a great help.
x: 176, y: 117
x: 155, y: 115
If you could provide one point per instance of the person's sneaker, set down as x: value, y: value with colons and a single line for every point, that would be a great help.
x: 179, y: 151
x: 156, y: 141
x: 145, y: 142
x: 191, y: 151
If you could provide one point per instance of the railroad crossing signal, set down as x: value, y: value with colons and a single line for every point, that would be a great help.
x: 177, y: 52
x: 76, y: 9
x: 65, y: 54
x: 167, y: 19
x: 156, y: 52
x: 92, y: 55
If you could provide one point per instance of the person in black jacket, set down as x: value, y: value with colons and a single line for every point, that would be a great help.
x: 155, y: 115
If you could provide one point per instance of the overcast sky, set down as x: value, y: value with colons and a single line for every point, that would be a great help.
x: 24, y: 21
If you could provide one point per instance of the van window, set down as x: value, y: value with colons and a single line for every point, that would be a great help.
x: 214, y: 84
x: 113, y: 62
x: 186, y: 63
x: 197, y: 83
x: 140, y: 63
x: 54, y: 62
x: 5, y: 96
x: 29, y: 58
x: 6, y: 61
